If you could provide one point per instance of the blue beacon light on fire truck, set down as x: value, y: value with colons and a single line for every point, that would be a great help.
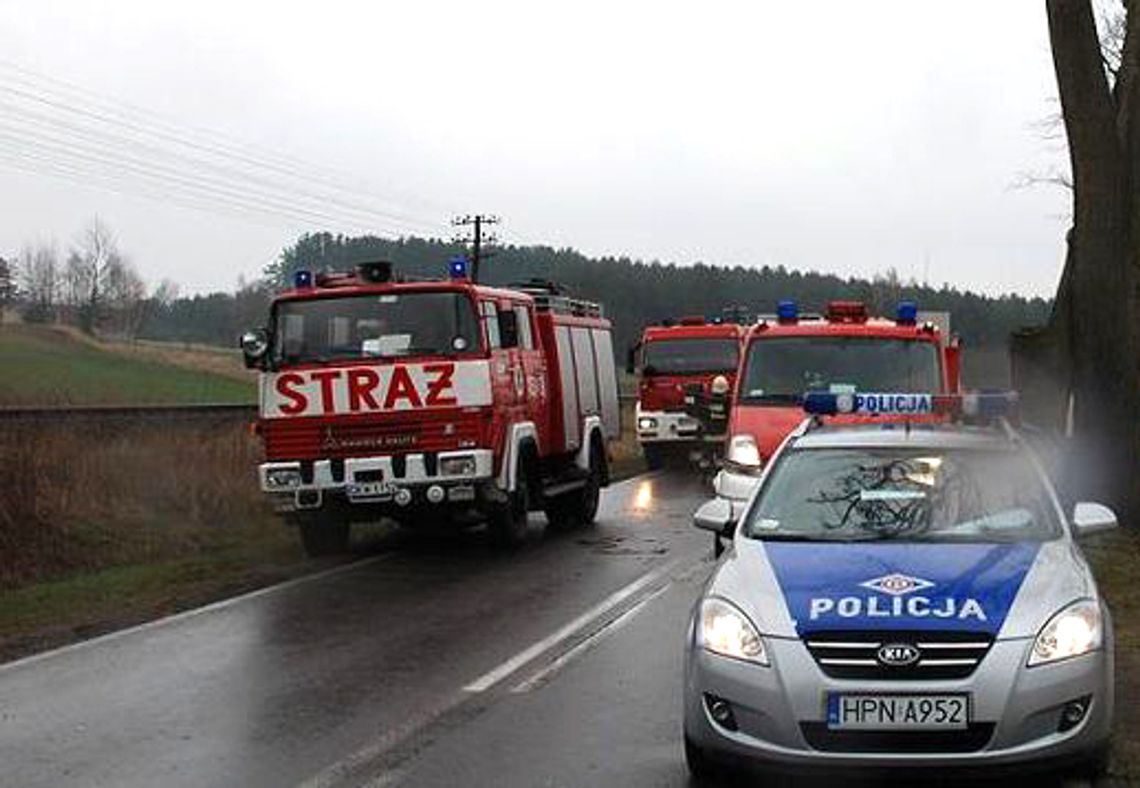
x: 457, y: 267
x: 302, y: 279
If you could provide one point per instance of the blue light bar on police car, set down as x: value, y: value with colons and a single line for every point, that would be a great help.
x: 302, y: 278
x: 985, y: 404
x: 787, y: 310
x: 457, y: 267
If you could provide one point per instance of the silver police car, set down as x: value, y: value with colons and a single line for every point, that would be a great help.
x: 900, y: 595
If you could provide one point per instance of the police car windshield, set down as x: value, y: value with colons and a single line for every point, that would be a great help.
x: 374, y: 326
x: 689, y: 356
x: 857, y: 494
x: 783, y: 367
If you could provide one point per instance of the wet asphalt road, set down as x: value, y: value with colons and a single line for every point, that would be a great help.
x: 436, y: 661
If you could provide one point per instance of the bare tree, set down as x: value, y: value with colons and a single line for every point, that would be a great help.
x: 123, y: 293
x: 7, y: 285
x: 89, y: 266
x: 39, y: 279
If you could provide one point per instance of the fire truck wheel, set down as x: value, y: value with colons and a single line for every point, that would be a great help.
x: 321, y: 534
x: 508, y: 521
x: 581, y: 506
x: 654, y: 457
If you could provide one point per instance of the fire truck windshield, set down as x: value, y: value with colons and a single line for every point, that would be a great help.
x: 689, y: 356
x: 781, y: 368
x: 374, y: 326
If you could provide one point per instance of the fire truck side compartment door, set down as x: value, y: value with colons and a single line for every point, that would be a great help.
x: 586, y: 372
x: 570, y: 418
x: 607, y: 382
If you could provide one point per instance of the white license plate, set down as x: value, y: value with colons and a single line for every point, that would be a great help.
x: 897, y: 712
x: 372, y: 490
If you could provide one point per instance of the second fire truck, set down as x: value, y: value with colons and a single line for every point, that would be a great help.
x: 686, y: 371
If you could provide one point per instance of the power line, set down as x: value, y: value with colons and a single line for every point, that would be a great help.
x: 232, y: 184
x: 235, y: 172
x: 134, y: 115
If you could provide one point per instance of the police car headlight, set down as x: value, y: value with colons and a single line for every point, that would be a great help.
x: 725, y: 630
x: 742, y: 450
x: 1075, y: 630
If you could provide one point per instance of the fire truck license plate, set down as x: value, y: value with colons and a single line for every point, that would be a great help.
x: 372, y: 490
x: 897, y: 712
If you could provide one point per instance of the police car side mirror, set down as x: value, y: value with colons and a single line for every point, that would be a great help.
x: 1092, y: 518
x: 254, y: 347
x: 717, y: 516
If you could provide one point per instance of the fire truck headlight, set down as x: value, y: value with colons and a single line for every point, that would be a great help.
x: 463, y: 465
x: 646, y: 424
x: 720, y: 385
x: 742, y: 450
x: 283, y: 478
x: 1074, y: 631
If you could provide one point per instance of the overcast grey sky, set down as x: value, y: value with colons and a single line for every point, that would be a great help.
x: 835, y: 136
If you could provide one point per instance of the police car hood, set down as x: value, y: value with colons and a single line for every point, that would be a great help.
x: 1008, y: 590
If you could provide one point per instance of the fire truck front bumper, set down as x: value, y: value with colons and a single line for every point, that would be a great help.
x: 402, y: 481
x: 662, y: 426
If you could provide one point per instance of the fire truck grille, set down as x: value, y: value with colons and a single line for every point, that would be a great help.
x: 313, y: 439
x: 864, y: 655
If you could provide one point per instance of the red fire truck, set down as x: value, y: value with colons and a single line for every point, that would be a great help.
x: 440, y: 400
x: 839, y: 351
x: 686, y: 371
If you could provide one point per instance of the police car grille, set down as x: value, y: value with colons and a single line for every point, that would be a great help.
x: 974, y: 738
x: 855, y: 655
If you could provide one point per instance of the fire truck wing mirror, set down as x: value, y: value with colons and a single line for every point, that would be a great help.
x: 254, y: 346
x: 631, y: 360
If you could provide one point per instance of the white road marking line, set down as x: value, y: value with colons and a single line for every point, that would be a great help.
x: 544, y: 674
x: 497, y: 674
x: 213, y: 607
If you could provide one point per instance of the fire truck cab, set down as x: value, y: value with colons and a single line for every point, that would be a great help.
x: 430, y: 401
x: 840, y: 351
x: 685, y: 373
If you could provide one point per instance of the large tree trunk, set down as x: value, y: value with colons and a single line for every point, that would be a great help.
x: 1103, y: 361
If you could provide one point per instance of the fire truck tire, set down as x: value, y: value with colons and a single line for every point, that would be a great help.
x: 579, y: 507
x: 508, y: 521
x: 654, y: 457
x: 322, y: 534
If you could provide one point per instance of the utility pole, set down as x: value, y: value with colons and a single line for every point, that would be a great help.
x: 477, y: 240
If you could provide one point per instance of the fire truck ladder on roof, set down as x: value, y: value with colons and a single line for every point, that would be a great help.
x: 550, y: 297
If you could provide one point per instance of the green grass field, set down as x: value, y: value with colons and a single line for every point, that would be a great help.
x: 45, y: 367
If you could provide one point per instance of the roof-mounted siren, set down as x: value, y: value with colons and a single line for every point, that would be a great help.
x: 302, y: 279
x: 787, y: 311
x: 374, y: 272
x: 906, y: 314
x: 846, y: 311
x: 457, y: 267
x: 692, y: 320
